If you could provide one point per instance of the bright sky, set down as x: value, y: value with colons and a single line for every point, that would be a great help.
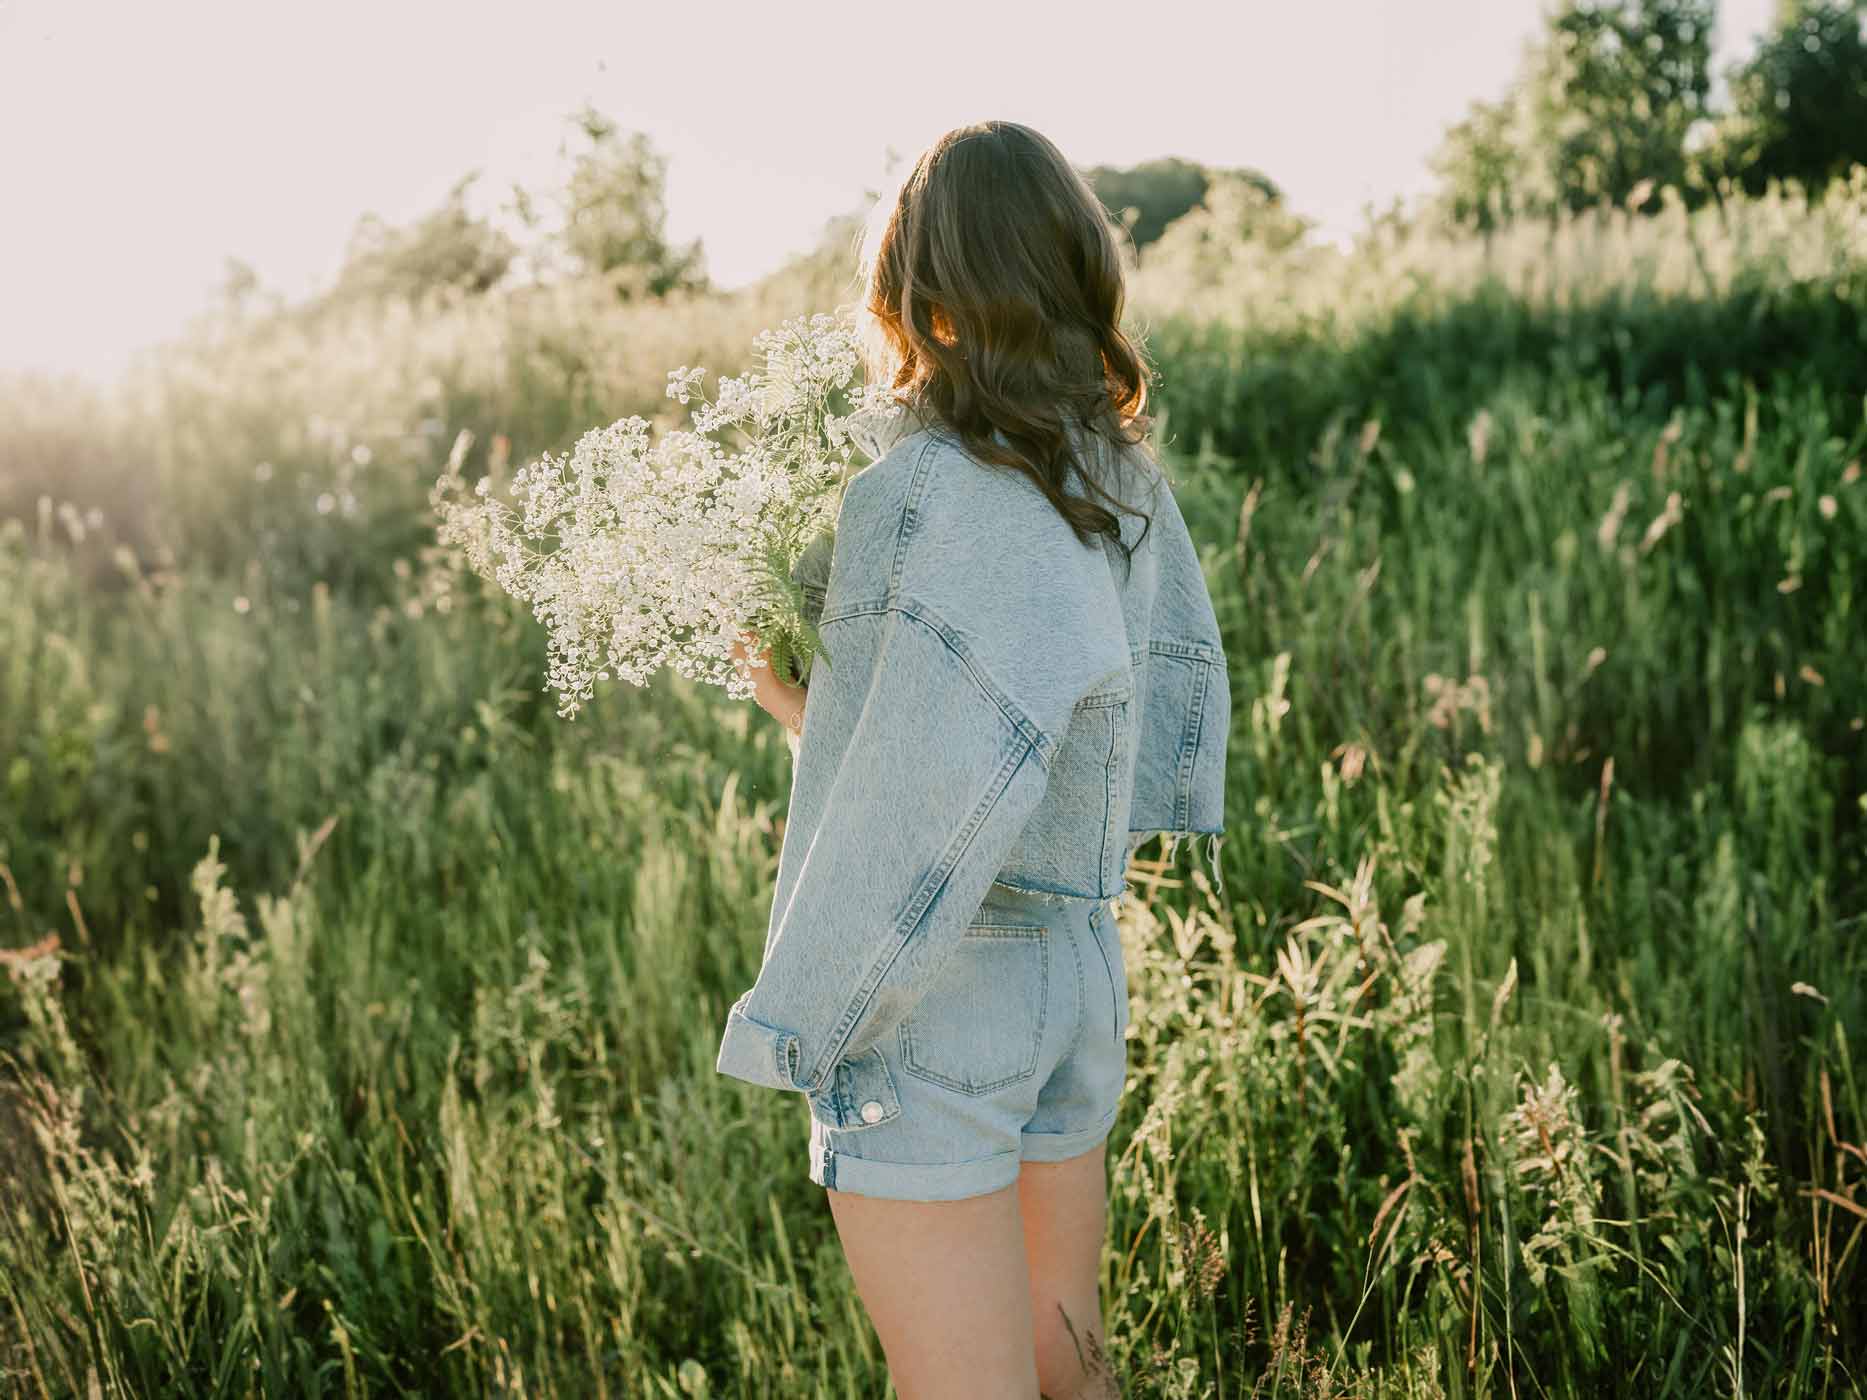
x: 141, y: 144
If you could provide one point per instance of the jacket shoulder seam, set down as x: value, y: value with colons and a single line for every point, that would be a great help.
x: 982, y: 676
x: 1044, y: 745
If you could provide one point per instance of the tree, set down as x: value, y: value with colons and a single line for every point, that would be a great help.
x: 450, y: 247
x: 1160, y: 191
x: 1236, y: 231
x: 1619, y: 87
x: 615, y: 215
x: 1799, y: 105
x: 1603, y: 102
x: 1478, y: 164
x: 240, y: 295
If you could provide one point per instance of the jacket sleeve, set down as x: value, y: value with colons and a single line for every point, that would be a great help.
x: 924, y: 776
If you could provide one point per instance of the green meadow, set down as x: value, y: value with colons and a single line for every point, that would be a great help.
x: 368, y: 1045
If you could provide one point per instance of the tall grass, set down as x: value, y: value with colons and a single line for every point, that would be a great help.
x: 1263, y: 352
x: 368, y: 1044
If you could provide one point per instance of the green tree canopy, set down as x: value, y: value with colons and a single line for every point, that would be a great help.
x: 1478, y: 164
x: 450, y: 247
x: 1799, y: 105
x: 1602, y: 103
x: 615, y: 214
x: 1160, y: 191
x: 1620, y: 84
x: 1235, y: 215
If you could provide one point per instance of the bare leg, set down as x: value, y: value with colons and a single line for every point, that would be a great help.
x: 1065, y: 1210
x: 945, y: 1284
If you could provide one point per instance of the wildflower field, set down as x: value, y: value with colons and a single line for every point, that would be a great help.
x: 358, y: 1028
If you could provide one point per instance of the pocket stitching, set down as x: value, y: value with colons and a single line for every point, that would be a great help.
x: 1035, y: 933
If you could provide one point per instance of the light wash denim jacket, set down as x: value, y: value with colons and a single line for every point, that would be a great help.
x: 1002, y: 703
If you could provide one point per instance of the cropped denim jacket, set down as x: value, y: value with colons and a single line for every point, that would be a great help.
x: 1002, y: 703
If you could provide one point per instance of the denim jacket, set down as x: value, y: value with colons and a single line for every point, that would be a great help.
x: 1002, y: 703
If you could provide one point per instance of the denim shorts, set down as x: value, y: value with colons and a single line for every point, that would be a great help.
x: 1017, y: 1053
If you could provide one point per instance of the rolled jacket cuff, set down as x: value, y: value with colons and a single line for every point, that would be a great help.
x: 758, y: 1053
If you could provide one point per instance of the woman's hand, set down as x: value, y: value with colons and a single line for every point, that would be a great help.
x: 782, y: 701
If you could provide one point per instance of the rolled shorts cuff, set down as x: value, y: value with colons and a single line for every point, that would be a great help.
x: 1055, y: 1147
x: 912, y: 1181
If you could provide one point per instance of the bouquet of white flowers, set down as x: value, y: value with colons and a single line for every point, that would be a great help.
x: 639, y: 551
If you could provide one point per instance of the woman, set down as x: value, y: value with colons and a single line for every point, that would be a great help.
x: 1025, y: 680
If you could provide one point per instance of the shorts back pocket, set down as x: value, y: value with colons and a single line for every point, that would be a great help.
x: 981, y: 1024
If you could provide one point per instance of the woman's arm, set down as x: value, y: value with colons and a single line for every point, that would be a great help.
x: 781, y: 700
x: 914, y: 783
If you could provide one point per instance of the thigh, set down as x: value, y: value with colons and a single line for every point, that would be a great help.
x: 946, y: 1286
x: 1064, y: 1207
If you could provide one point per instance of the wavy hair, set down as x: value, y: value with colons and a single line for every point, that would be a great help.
x: 993, y: 300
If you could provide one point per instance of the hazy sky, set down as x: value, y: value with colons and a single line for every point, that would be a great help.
x: 143, y: 143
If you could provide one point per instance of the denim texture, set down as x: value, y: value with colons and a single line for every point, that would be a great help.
x: 1017, y: 1053
x: 1002, y: 707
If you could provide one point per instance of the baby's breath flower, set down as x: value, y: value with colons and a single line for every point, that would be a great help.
x: 639, y: 552
x: 683, y: 382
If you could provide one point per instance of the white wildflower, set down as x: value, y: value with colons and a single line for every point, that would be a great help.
x: 684, y: 382
x: 640, y: 551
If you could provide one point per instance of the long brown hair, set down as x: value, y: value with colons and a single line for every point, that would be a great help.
x: 993, y: 300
